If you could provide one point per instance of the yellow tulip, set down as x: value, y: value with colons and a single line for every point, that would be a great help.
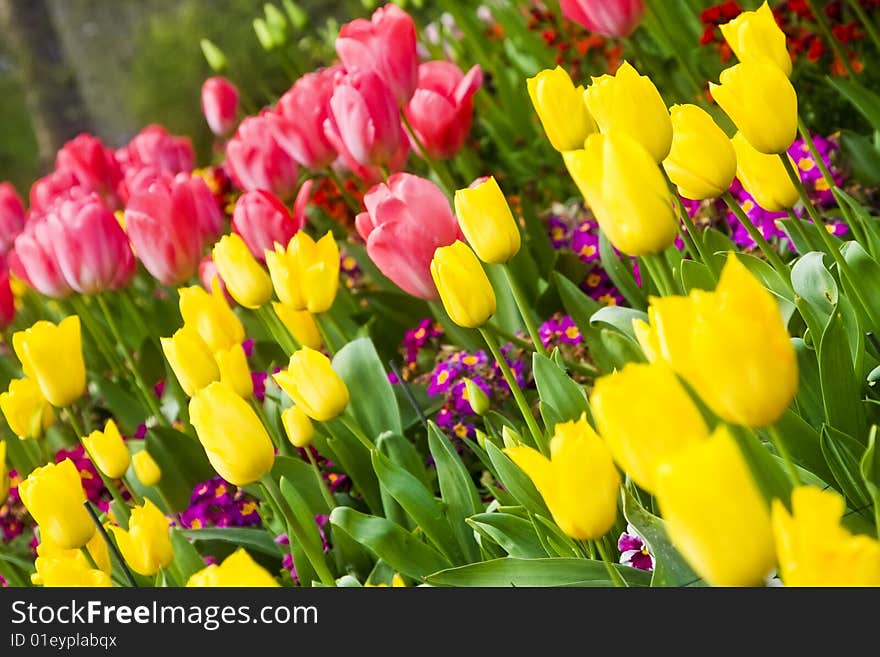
x: 52, y: 356
x: 732, y: 346
x: 306, y: 274
x: 146, y: 546
x: 147, y: 470
x: 54, y: 496
x: 211, y: 316
x: 759, y: 99
x: 626, y: 191
x: 313, y: 385
x: 4, y: 474
x: 236, y: 442
x: 755, y: 35
x: 629, y: 103
x: 562, y: 109
x: 764, y: 177
x: 487, y: 222
x: 301, y: 325
x: 108, y: 451
x: 643, y: 435
x: 464, y: 287
x: 234, y: 370
x: 814, y: 550
x: 191, y: 359
x: 578, y: 482
x: 237, y: 570
x: 297, y: 426
x: 67, y: 568
x: 647, y: 339
x: 245, y: 279
x: 26, y: 410
x: 715, y: 515
x: 702, y: 162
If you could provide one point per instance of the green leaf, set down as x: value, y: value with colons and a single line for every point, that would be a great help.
x: 515, y: 535
x: 803, y: 443
x: 621, y: 349
x: 806, y: 238
x: 843, y: 454
x: 355, y: 461
x: 809, y: 394
x: 302, y: 476
x: 127, y: 411
x: 841, y: 390
x: 619, y: 318
x: 389, y: 542
x: 187, y: 559
x: 620, y: 274
x: 581, y: 308
x: 182, y: 461
x: 870, y: 467
x: 719, y: 245
x: 557, y: 391
x: 304, y: 516
x: 257, y: 540
x: 515, y: 481
x: 866, y: 272
x: 510, y: 571
x: 861, y: 220
x: 766, y: 470
x: 696, y: 276
x: 400, y: 450
x: 862, y: 98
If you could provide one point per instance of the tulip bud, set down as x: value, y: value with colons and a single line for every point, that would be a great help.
x: 762, y: 103
x: 255, y: 160
x: 236, y: 570
x: 714, y: 512
x: 146, y: 469
x: 306, y: 274
x: 562, y: 109
x: 220, y: 105
x: 298, y: 18
x: 213, y: 55
x: 578, y: 482
x: 211, y: 317
x: 236, y: 442
x: 263, y: 221
x: 297, y: 426
x: 234, y: 370
x: 629, y: 103
x: 610, y: 18
x: 487, y: 222
x: 12, y: 216
x: 313, y: 385
x: 464, y: 288
x: 26, y: 410
x: 510, y: 438
x: 647, y: 338
x: 264, y: 34
x: 626, y: 192
x: 702, y: 162
x: 108, y: 451
x: 301, y: 325
x: 246, y: 281
x: 191, y: 359
x: 277, y: 23
x: 52, y: 356
x: 146, y: 546
x: 53, y: 494
x: 764, y: 177
x: 756, y: 35
x: 476, y: 397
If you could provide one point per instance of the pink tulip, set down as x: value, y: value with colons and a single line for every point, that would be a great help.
x: 220, y: 105
x: 441, y: 108
x: 162, y: 223
x: 364, y: 123
x: 256, y: 161
x: 11, y: 216
x: 154, y: 148
x: 611, y: 18
x: 209, y: 216
x: 51, y: 188
x: 298, y: 121
x: 92, y: 164
x: 33, y: 260
x: 262, y: 220
x: 386, y: 45
x: 405, y: 222
x: 7, y: 300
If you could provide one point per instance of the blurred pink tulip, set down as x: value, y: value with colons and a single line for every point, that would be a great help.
x: 441, y: 108
x: 405, y: 222
x: 51, y: 188
x: 92, y: 164
x: 220, y: 105
x: 611, y: 18
x: 33, y: 260
x: 11, y: 216
x: 386, y: 45
x: 154, y: 148
x: 7, y: 300
x: 262, y: 220
x: 208, y: 273
x: 209, y: 215
x: 256, y: 161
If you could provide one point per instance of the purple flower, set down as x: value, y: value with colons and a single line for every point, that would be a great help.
x: 259, y: 381
x: 634, y: 550
x: 585, y: 244
x: 558, y: 232
x: 217, y: 503
x: 248, y: 347
x: 442, y: 379
x: 459, y: 395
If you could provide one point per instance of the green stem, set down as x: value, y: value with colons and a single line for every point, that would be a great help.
x: 325, y: 334
x: 170, y: 579
x: 784, y: 454
x: 766, y: 248
x: 616, y: 577
x: 825, y: 28
x: 524, y: 309
x: 798, y: 227
x: 357, y: 431
x: 325, y: 492
x: 288, y: 337
x: 691, y: 237
x: 516, y: 391
x: 866, y: 22
x: 656, y: 267
x: 808, y: 139
x: 279, y: 443
x: 111, y: 546
x: 97, y: 334
x: 283, y: 340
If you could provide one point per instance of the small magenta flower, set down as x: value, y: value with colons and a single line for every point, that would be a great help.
x: 634, y: 551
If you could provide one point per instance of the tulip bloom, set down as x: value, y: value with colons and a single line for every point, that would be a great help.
x: 238, y: 569
x: 92, y: 165
x: 764, y: 177
x: 34, y: 261
x: 313, y: 385
x: 220, y: 104
x: 441, y: 109
x: 562, y: 109
x: 385, y: 45
x: 56, y: 567
x: 50, y: 188
x: 154, y: 148
x: 7, y: 298
x: 191, y: 359
x: 145, y: 468
x: 52, y: 356
x: 813, y: 548
x: 755, y: 35
x: 300, y: 323
x: 234, y: 439
x: 464, y: 288
x: 211, y: 317
x: 714, y: 512
x: 26, y: 410
x: 53, y: 494
x: 306, y: 274
x: 702, y: 162
x: 297, y: 426
x: 626, y: 191
x: 209, y: 216
x: 245, y: 279
x: 256, y: 161
x: 611, y: 18
x: 234, y: 370
x: 298, y: 120
x: 487, y: 222
x: 578, y: 482
x: 731, y: 346
x: 762, y: 103
x: 405, y: 222
x: 630, y: 103
x: 12, y: 216
x: 107, y: 449
x: 4, y: 472
x: 263, y: 221
x: 146, y: 546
